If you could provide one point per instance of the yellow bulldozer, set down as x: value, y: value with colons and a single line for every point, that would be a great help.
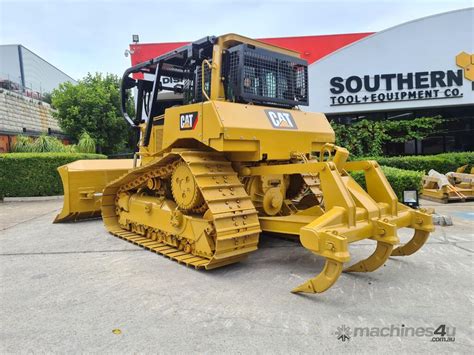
x: 225, y: 153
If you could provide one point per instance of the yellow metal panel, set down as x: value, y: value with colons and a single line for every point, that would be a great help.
x: 239, y: 128
x: 83, y: 182
x: 174, y: 129
x: 247, y: 123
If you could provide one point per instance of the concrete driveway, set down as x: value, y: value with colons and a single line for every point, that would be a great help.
x: 75, y: 288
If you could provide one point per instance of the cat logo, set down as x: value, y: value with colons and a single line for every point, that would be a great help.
x: 188, y: 121
x: 281, y: 119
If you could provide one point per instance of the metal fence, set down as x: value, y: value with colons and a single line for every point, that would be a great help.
x: 29, y: 89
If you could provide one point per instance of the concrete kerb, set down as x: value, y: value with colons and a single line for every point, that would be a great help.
x: 31, y: 199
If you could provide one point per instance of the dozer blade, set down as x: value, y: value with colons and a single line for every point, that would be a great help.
x: 83, y: 182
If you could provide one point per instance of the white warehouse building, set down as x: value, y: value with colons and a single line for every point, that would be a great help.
x: 25, y: 71
x: 420, y: 68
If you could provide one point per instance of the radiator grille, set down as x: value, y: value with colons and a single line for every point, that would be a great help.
x: 261, y: 76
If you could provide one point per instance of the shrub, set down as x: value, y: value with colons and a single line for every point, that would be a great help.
x: 22, y: 144
x: 44, y: 144
x: 71, y: 148
x: 86, y: 143
x: 41, y: 144
x: 35, y: 174
x: 368, y: 137
x: 399, y: 179
x: 442, y: 163
x: 457, y: 160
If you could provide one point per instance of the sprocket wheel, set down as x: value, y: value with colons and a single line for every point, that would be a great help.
x: 185, y: 189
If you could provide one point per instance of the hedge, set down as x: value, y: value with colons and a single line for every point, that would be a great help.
x: 399, y: 179
x: 35, y: 174
x: 442, y: 163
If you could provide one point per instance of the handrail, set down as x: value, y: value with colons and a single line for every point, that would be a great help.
x: 205, y: 61
x: 326, y: 148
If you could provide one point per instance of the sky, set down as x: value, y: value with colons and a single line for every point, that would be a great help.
x: 91, y: 36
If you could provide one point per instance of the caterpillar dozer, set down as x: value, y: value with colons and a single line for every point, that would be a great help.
x: 224, y: 153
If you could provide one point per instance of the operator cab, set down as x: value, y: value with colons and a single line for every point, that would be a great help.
x: 251, y: 73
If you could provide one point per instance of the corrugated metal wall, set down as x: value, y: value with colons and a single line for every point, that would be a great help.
x: 10, y: 63
x: 40, y: 75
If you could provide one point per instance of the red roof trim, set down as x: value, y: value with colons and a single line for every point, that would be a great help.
x: 311, y: 48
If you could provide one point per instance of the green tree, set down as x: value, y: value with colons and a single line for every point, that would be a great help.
x: 93, y: 105
x: 367, y: 137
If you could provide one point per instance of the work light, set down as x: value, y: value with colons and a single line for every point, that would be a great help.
x: 410, y: 198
